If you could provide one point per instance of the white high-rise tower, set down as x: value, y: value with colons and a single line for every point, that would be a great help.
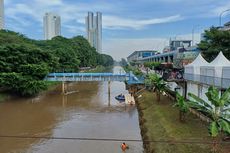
x: 94, y: 30
x: 52, y: 25
x: 2, y: 14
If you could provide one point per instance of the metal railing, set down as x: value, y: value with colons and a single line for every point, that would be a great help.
x: 130, y: 77
x: 209, y: 80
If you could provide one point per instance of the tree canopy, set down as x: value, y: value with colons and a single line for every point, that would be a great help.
x: 25, y: 62
x: 215, y: 41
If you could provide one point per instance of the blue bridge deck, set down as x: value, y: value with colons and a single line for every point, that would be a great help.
x: 130, y: 78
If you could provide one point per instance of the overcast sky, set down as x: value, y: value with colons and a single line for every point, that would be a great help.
x: 128, y: 25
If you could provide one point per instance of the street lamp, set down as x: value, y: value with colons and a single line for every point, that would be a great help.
x: 221, y: 15
x: 193, y: 29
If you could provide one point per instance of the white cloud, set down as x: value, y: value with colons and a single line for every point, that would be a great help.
x: 49, y: 2
x: 114, y: 22
x: 76, y: 14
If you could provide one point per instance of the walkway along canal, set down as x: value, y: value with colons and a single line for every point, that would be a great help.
x: 89, y: 113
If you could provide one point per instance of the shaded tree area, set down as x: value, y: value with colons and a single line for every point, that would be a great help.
x: 22, y: 68
x: 61, y: 48
x: 215, y: 40
x: 123, y: 62
x: 105, y: 60
x: 87, y: 54
x: 24, y: 62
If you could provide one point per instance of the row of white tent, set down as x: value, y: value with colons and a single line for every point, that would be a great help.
x: 215, y: 73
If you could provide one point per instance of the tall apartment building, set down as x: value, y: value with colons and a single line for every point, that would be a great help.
x: 1, y: 14
x: 52, y: 25
x: 94, y: 30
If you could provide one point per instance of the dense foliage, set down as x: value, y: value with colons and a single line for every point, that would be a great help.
x: 157, y: 82
x: 152, y: 64
x: 123, y: 62
x: 183, y: 106
x: 25, y: 62
x: 217, y: 109
x: 215, y: 41
x: 136, y: 71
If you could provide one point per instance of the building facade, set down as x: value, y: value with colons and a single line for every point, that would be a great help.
x: 2, y: 14
x: 179, y: 53
x: 175, y: 44
x: 94, y: 30
x: 139, y: 55
x: 52, y: 25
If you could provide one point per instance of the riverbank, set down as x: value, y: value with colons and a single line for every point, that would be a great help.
x: 160, y: 122
x: 99, y: 69
x: 4, y: 96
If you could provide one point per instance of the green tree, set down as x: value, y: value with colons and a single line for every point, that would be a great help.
x: 147, y: 64
x: 151, y: 64
x: 217, y: 109
x: 62, y: 49
x: 215, y: 41
x: 87, y: 54
x: 24, y: 62
x: 183, y: 106
x: 21, y: 85
x: 158, y: 84
x: 105, y: 60
x: 123, y: 62
x: 21, y: 66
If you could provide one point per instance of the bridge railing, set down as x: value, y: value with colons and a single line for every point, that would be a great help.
x: 86, y: 77
x: 83, y: 74
x: 129, y: 77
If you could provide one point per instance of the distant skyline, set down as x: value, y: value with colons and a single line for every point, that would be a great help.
x: 94, y: 30
x: 127, y: 25
x: 51, y: 25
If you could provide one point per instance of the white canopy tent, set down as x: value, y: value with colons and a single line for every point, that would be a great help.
x: 216, y: 70
x: 192, y: 70
x: 194, y: 67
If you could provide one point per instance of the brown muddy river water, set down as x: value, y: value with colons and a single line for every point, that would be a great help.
x: 88, y: 113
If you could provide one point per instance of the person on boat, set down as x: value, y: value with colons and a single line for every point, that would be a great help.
x: 121, y: 95
x: 124, y: 146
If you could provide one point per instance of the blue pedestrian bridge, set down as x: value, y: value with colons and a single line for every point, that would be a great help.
x: 130, y: 78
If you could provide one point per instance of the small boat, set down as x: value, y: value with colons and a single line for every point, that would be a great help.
x: 120, y: 97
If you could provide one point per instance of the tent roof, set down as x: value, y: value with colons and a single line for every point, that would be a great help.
x: 220, y: 60
x: 199, y: 61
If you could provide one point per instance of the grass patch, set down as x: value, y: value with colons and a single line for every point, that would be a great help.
x: 162, y: 123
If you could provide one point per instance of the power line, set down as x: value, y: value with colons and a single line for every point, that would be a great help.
x: 115, y: 140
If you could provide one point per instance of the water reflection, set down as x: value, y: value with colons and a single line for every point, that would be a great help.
x: 92, y: 112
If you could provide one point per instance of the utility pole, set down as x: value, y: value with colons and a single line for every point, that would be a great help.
x: 221, y: 16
